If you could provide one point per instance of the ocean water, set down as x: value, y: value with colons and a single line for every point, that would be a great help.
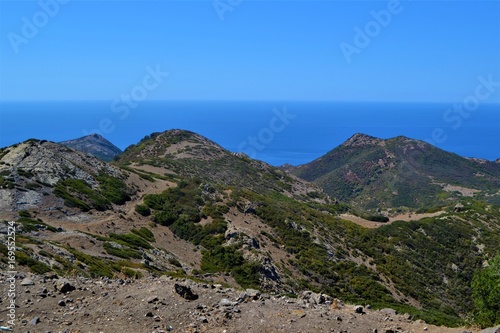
x: 277, y: 132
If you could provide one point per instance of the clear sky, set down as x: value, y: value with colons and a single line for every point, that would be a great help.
x: 425, y: 51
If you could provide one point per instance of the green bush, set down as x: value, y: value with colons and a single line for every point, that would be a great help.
x: 30, y: 224
x: 113, y: 189
x: 142, y: 209
x: 131, y: 240
x: 123, y: 252
x: 77, y: 193
x: 486, y: 294
x: 24, y: 213
x: 248, y: 274
x: 6, y: 182
x: 145, y: 233
x: 35, y: 266
x: 221, y: 259
x: 378, y: 218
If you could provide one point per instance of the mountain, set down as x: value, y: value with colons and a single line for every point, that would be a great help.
x: 181, y: 153
x: 373, y: 174
x: 96, y: 145
x: 180, y: 205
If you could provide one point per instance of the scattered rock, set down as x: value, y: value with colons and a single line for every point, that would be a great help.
x: 358, y: 309
x: 34, y: 321
x: 27, y: 282
x: 185, y: 292
x: 63, y: 286
x: 152, y: 299
x: 253, y: 294
x: 225, y: 302
x: 61, y: 303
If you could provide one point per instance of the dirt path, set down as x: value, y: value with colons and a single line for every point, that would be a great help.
x: 401, y: 217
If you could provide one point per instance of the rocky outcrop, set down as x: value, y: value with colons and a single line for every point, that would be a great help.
x: 48, y: 163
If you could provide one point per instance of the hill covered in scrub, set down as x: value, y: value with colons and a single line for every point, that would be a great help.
x: 178, y: 204
x: 372, y: 173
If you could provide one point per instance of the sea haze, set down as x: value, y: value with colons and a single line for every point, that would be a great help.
x: 277, y: 132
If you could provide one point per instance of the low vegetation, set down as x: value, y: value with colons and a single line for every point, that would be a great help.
x: 486, y: 294
x: 78, y: 193
x: 181, y: 209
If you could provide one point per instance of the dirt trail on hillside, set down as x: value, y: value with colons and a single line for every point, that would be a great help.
x: 401, y: 217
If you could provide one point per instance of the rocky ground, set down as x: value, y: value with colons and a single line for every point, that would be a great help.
x: 52, y: 304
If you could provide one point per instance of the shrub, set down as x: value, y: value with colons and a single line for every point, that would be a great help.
x: 131, y: 240
x: 221, y: 258
x: 248, y: 274
x: 145, y: 233
x: 113, y: 189
x: 143, y: 210
x: 486, y: 294
x: 24, y: 213
x: 378, y: 218
x: 123, y: 252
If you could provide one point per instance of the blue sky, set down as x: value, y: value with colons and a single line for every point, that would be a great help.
x: 428, y: 51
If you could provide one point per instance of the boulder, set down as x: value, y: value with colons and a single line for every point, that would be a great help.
x: 315, y: 298
x: 64, y: 286
x: 358, y: 309
x: 27, y: 282
x: 225, y: 302
x: 185, y: 292
x: 388, y: 311
x: 250, y: 294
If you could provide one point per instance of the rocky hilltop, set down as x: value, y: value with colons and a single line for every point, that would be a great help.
x: 96, y: 145
x: 34, y: 173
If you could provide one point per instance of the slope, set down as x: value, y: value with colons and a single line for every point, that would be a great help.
x: 95, y: 145
x: 201, y: 212
x: 372, y: 174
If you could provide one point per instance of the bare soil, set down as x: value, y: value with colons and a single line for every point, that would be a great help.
x: 152, y: 305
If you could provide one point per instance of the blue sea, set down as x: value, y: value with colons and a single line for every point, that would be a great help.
x: 277, y: 132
